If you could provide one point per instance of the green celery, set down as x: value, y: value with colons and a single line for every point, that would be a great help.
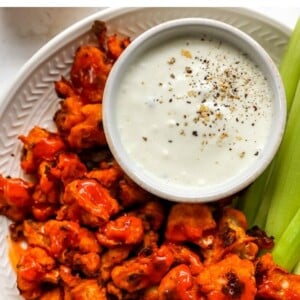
x: 286, y: 252
x: 290, y: 65
x: 296, y: 270
x: 283, y: 189
x: 263, y: 207
x: 251, y: 201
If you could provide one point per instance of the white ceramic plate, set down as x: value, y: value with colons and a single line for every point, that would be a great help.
x: 32, y: 100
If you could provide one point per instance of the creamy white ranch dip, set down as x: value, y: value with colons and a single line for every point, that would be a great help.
x: 194, y: 112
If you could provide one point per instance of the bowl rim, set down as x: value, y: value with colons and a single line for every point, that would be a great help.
x: 193, y: 195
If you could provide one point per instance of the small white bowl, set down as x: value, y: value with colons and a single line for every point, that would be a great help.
x: 161, y: 34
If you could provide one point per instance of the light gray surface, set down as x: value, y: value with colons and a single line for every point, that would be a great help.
x: 24, y: 30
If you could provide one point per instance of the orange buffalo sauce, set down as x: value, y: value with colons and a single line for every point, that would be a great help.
x: 15, y: 251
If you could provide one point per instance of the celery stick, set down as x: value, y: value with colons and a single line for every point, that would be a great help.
x: 286, y: 252
x: 251, y: 202
x: 290, y: 65
x: 263, y: 207
x: 296, y: 270
x: 284, y: 184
